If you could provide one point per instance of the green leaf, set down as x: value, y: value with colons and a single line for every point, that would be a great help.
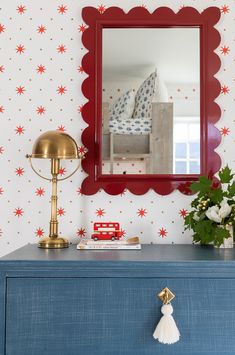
x: 204, y: 231
x: 220, y: 234
x: 216, y: 196
x: 202, y: 186
x: 189, y: 221
x: 226, y: 175
x: 231, y: 190
x: 205, y: 181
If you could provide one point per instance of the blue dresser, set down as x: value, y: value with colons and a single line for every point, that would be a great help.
x: 69, y: 302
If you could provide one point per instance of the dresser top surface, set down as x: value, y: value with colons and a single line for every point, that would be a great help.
x: 149, y: 253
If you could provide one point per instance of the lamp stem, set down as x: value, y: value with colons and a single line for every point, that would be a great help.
x: 55, y: 167
x: 54, y: 241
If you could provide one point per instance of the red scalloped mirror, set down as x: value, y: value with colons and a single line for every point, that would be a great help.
x: 151, y: 96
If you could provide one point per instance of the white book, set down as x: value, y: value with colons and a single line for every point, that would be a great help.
x: 131, y: 240
x: 131, y: 244
x: 107, y: 246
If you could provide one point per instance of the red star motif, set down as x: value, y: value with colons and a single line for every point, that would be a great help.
x: 21, y: 9
x: 82, y: 150
x: 82, y: 28
x: 18, y: 212
x: 183, y: 213
x: 41, y: 69
x: 1, y: 190
x: 101, y: 8
x: 2, y: 28
x: 39, y: 232
x: 162, y: 232
x: 224, y: 9
x: 62, y: 171
x: 100, y: 212
x: 81, y: 232
x: 80, y: 69
x: 62, y: 9
x: 61, y: 48
x: 1, y: 109
x: 20, y: 90
x: 19, y: 130
x: 79, y: 191
x: 20, y: 49
x: 40, y: 191
x: 224, y: 50
x: 61, y: 90
x: 141, y: 212
x: 1, y: 150
x: 19, y: 171
x: 224, y: 131
x: 2, y: 68
x: 40, y: 110
x: 61, y: 128
x: 225, y: 90
x: 61, y: 211
x: 80, y: 108
x: 41, y: 29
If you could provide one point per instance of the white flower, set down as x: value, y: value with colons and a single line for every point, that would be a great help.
x: 225, y: 208
x: 216, y: 214
x: 213, y: 214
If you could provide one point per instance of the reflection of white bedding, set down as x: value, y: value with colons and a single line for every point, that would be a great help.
x: 131, y: 126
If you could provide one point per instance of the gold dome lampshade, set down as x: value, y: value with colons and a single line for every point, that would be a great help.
x: 54, y: 145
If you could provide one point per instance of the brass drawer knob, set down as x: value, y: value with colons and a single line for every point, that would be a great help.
x: 166, y: 295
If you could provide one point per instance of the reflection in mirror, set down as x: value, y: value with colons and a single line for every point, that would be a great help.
x: 151, y: 101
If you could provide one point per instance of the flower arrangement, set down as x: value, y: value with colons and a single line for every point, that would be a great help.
x: 213, y: 210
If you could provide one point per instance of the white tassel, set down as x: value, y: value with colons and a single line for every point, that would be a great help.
x: 166, y: 331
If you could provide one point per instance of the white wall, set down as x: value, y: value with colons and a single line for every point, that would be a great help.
x: 19, y: 192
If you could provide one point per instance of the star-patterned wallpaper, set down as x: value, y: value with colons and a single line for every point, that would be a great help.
x: 41, y: 75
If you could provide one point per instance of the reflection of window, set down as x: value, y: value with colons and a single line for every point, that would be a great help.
x: 186, y: 145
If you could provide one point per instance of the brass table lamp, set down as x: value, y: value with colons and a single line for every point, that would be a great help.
x: 54, y: 145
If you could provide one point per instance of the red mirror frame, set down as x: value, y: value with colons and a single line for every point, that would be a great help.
x: 210, y: 88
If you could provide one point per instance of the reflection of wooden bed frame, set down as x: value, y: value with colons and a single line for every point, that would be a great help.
x: 156, y: 148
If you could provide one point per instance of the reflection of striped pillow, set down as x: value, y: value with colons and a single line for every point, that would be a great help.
x: 123, y: 108
x: 144, y: 97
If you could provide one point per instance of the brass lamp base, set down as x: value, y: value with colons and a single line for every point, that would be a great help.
x: 53, y: 243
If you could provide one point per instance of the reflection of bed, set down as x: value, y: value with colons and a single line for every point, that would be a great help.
x: 152, y: 142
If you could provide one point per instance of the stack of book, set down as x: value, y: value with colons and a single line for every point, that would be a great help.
x: 128, y: 244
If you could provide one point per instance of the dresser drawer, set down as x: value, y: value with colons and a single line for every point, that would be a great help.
x: 116, y: 316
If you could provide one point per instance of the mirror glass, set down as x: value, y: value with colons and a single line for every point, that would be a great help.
x: 151, y: 100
